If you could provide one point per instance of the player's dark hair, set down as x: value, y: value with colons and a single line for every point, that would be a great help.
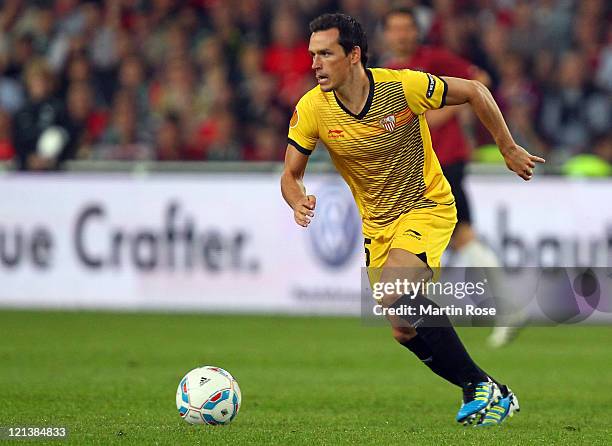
x: 351, y: 32
x: 400, y: 11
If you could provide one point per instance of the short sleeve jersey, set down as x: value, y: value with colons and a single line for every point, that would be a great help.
x: 384, y: 153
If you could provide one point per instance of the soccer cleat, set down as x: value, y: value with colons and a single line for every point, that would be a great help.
x: 477, y: 399
x: 504, y: 408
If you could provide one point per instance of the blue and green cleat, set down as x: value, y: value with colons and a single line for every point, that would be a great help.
x: 477, y: 400
x: 504, y: 408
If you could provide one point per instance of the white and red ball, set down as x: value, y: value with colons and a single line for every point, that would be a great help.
x: 208, y: 395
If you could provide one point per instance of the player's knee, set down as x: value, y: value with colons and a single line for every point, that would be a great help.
x: 404, y: 265
x: 404, y: 334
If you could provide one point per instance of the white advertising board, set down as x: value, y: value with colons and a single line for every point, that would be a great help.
x: 228, y: 242
x: 216, y: 242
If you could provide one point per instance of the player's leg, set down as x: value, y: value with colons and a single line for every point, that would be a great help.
x: 424, y: 341
x: 377, y: 247
x: 434, y: 340
x: 432, y: 337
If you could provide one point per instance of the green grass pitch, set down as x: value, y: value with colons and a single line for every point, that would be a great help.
x: 111, y: 379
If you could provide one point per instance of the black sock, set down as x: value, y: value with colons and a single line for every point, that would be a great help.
x: 422, y: 351
x: 418, y: 346
x: 447, y: 350
x: 450, y: 353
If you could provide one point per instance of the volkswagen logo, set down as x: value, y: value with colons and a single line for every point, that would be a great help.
x: 335, y: 230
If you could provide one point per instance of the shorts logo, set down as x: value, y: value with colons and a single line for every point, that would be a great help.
x: 334, y: 134
x: 388, y: 123
x: 413, y: 233
x: 295, y: 118
x: 431, y: 87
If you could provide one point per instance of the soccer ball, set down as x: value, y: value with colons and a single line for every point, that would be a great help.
x: 208, y: 395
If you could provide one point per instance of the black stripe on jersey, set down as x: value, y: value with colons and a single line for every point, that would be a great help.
x: 394, y: 97
x: 298, y: 147
x: 443, y: 103
x: 368, y: 103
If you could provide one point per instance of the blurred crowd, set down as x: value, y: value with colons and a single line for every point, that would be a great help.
x: 218, y: 79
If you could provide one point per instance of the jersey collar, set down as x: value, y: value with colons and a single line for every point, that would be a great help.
x: 368, y: 103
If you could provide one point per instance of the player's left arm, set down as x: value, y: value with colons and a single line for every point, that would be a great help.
x: 461, y: 91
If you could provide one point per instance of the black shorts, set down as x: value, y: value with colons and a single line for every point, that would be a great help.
x: 454, y: 173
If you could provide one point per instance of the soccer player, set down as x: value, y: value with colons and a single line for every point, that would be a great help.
x: 401, y: 34
x: 372, y: 122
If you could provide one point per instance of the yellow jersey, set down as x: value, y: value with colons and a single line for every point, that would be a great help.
x: 384, y: 153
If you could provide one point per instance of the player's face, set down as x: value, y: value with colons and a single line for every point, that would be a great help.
x: 329, y: 62
x: 401, y: 34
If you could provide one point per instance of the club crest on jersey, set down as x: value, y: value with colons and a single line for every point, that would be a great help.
x: 388, y: 123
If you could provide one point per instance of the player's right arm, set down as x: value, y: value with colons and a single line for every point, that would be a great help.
x: 303, y: 136
x: 293, y: 189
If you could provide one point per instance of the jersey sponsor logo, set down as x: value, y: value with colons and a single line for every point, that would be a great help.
x: 295, y: 118
x: 334, y: 134
x: 388, y: 123
x: 335, y: 232
x: 431, y: 87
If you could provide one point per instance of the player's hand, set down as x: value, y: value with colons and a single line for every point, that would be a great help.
x: 303, y: 211
x: 520, y: 161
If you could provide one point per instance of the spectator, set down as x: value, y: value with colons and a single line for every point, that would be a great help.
x: 23, y: 52
x: 132, y: 76
x: 576, y: 112
x: 11, y: 92
x: 492, y: 49
x: 202, y: 59
x: 603, y: 147
x: 174, y: 92
x: 518, y: 99
x: 80, y: 69
x: 553, y: 20
x: 123, y: 139
x: 101, y: 28
x: 43, y: 28
x: 287, y: 58
x: 85, y: 123
x: 587, y: 39
x: 41, y: 112
x: 253, y: 20
x: 268, y: 146
x: 514, y: 83
x: 525, y: 37
x: 220, y: 138
x: 223, y: 23
x: 7, y: 151
x: 170, y: 144
x: 543, y: 70
x: 604, y: 71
